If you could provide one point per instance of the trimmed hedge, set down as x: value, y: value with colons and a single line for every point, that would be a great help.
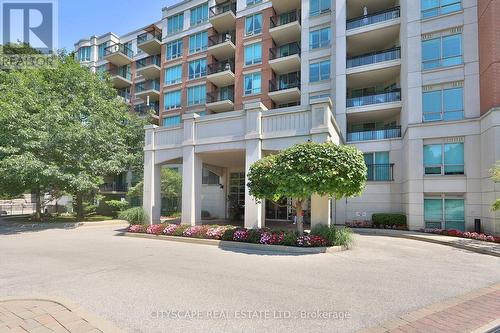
x: 389, y: 219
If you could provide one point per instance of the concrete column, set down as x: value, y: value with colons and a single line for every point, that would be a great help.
x: 320, y: 211
x: 151, y: 200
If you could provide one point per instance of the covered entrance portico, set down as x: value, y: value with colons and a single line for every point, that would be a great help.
x: 230, y: 143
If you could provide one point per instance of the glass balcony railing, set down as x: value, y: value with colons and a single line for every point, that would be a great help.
x: 222, y: 38
x: 284, y: 82
x: 147, y: 85
x: 380, y: 172
x: 118, y: 48
x: 377, y: 134
x: 143, y: 109
x: 386, y: 97
x: 153, y: 60
x: 284, y: 51
x: 221, y: 66
x: 146, y: 37
x: 121, y: 71
x: 285, y: 18
x: 113, y: 187
x: 221, y: 95
x: 374, y: 57
x: 223, y: 8
x: 361, y: 21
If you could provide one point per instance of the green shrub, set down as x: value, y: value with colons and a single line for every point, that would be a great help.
x: 135, y: 215
x: 386, y: 219
x: 343, y: 237
x: 180, y: 230
x: 254, y: 236
x: 117, y: 206
x: 290, y: 238
x: 228, y: 234
x: 334, y: 236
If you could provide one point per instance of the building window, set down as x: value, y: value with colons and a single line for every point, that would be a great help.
x: 253, y: 2
x: 84, y: 53
x: 253, y: 54
x: 101, y: 48
x: 319, y: 38
x: 175, y: 23
x: 198, y: 42
x: 253, y: 24
x: 199, y: 14
x: 444, y: 159
x: 444, y: 213
x: 443, y: 104
x: 318, y: 7
x: 319, y: 71
x: 172, y: 121
x: 128, y: 48
x: 431, y: 8
x: 197, y: 68
x: 209, y: 178
x: 197, y: 95
x: 442, y: 51
x: 252, y: 84
x: 174, y: 49
x: 173, y: 75
x: 172, y: 100
x: 379, y: 167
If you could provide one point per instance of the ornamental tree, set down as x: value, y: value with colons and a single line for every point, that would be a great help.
x: 170, y: 185
x: 305, y: 169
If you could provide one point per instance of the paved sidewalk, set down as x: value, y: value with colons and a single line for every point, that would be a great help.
x: 477, y: 246
x: 44, y: 316
x: 477, y: 311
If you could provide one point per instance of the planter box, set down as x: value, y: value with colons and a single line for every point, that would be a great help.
x: 241, y: 245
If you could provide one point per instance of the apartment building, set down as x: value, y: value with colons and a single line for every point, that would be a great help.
x: 413, y: 84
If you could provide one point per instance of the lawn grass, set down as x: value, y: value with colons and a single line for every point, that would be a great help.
x: 57, y: 219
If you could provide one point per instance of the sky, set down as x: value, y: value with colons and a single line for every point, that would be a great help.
x: 83, y: 18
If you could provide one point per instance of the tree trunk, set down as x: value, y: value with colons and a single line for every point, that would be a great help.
x: 300, y: 217
x: 79, y: 207
x: 38, y: 204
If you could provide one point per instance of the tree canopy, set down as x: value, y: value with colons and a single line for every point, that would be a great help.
x: 305, y: 169
x: 171, y: 185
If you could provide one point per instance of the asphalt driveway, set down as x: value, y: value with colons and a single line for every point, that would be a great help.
x: 156, y: 286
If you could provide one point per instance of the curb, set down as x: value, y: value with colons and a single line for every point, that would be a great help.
x: 67, y: 225
x: 99, y: 323
x: 428, y: 240
x: 240, y: 245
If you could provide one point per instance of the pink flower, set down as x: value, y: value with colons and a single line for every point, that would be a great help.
x: 241, y: 235
x: 136, y: 228
x: 155, y: 229
x: 216, y: 232
x: 197, y: 231
x: 170, y: 229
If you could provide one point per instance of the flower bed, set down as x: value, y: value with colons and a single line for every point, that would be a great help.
x: 370, y: 225
x: 256, y: 236
x: 461, y: 234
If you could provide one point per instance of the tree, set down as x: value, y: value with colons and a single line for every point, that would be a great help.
x: 171, y: 185
x: 306, y: 169
x: 495, y: 175
x: 64, y: 129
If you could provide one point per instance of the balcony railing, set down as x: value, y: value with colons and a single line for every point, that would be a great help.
x: 380, y: 172
x: 222, y: 38
x: 285, y: 18
x: 143, y: 109
x: 221, y: 66
x: 284, y: 51
x: 374, y: 57
x: 153, y: 60
x: 118, y: 48
x: 147, y: 36
x: 120, y: 71
x: 223, y: 8
x: 289, y: 81
x: 124, y: 94
x: 380, y: 134
x: 113, y: 187
x: 387, y: 97
x: 377, y: 17
x: 147, y: 85
x: 220, y: 95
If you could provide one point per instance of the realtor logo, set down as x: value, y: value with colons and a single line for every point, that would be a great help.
x: 32, y: 22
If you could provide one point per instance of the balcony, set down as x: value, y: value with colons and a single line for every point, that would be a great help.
x: 121, y: 77
x: 370, y: 135
x: 374, y: 57
x: 378, y: 17
x: 380, y: 172
x: 223, y: 16
x: 143, y: 109
x: 118, y: 54
x: 285, y: 89
x: 393, y: 96
x: 113, y: 187
x: 221, y: 100
x: 282, y: 6
x: 148, y: 90
x: 221, y: 73
x: 149, y: 68
x: 124, y: 94
x: 285, y: 58
x: 285, y: 28
x: 150, y: 42
x: 222, y: 46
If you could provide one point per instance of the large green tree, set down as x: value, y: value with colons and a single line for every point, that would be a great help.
x: 63, y: 129
x: 306, y: 169
x: 171, y: 185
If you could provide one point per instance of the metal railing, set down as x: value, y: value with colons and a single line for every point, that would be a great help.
x: 220, y: 95
x: 143, y: 109
x: 285, y: 18
x: 118, y: 48
x: 380, y: 172
x: 291, y: 80
x: 147, y: 36
x: 221, y: 66
x: 113, y: 187
x: 380, y: 134
x: 120, y: 71
x: 152, y: 60
x: 381, y: 16
x: 374, y: 57
x: 223, y: 8
x: 222, y: 38
x: 147, y: 85
x: 386, y: 97
x: 284, y: 50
